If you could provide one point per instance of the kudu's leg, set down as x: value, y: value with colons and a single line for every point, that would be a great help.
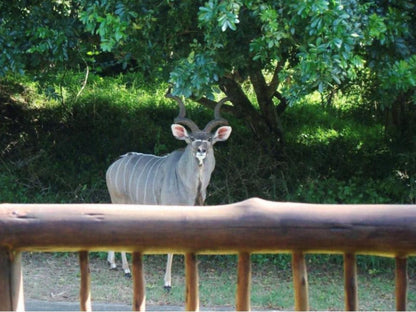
x: 125, y: 264
x: 111, y: 260
x: 168, y: 274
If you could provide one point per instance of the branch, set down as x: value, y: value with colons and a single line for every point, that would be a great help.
x: 260, y: 88
x: 242, y: 104
x: 211, y: 105
x: 263, y: 99
x: 283, y: 102
x: 85, y: 80
x: 274, y: 83
x: 243, y: 108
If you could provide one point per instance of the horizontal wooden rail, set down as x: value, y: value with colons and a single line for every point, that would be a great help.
x: 251, y: 226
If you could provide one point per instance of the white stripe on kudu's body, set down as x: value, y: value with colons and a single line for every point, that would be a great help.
x: 179, y: 178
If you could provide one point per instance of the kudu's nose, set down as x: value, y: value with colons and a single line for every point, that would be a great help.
x: 201, y: 153
x: 202, y: 149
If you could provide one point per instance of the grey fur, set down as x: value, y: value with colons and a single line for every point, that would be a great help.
x: 179, y: 178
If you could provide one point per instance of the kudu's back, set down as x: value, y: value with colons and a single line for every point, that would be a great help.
x: 147, y: 179
x: 136, y: 178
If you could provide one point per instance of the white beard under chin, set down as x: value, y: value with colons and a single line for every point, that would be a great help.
x: 200, y: 158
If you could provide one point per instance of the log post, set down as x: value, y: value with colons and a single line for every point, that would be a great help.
x: 85, y: 287
x: 243, y: 282
x: 401, y: 283
x: 300, y: 281
x: 191, y: 278
x: 139, y: 284
x: 11, y: 281
x: 350, y: 282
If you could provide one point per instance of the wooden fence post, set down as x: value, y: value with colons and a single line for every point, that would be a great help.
x: 300, y: 281
x: 350, y: 282
x: 191, y: 278
x: 139, y: 284
x: 243, y: 282
x: 401, y: 283
x: 11, y: 281
x: 85, y: 287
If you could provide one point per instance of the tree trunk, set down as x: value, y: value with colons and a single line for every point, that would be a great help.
x: 399, y: 119
x: 265, y: 122
x: 269, y: 113
x: 268, y: 132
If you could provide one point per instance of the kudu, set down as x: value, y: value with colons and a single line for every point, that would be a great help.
x: 179, y: 178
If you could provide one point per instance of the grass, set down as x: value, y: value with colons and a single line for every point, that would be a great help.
x: 55, y: 277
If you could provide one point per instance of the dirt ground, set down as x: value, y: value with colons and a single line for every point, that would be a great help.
x: 55, y: 277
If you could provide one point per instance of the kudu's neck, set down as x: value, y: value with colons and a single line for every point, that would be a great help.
x: 195, y: 177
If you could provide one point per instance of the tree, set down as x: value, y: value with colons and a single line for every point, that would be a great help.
x: 39, y: 35
x: 281, y: 50
x: 391, y: 65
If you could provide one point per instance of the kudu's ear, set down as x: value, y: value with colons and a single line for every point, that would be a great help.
x: 222, y: 134
x: 179, y: 132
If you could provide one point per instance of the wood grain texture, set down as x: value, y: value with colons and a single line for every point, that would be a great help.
x: 243, y: 282
x: 11, y: 281
x: 192, y: 282
x: 253, y: 225
x: 401, y: 283
x: 350, y: 282
x: 85, y: 286
x: 300, y: 281
x: 139, y: 284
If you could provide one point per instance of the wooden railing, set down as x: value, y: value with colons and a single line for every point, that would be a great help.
x: 251, y: 226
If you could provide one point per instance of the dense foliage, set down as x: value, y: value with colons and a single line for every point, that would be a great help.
x: 59, y: 153
x: 282, y: 49
x: 323, y: 90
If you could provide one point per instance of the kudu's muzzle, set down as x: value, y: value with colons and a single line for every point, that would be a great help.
x: 201, y: 148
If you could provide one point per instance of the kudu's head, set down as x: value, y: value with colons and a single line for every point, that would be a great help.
x: 200, y: 141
